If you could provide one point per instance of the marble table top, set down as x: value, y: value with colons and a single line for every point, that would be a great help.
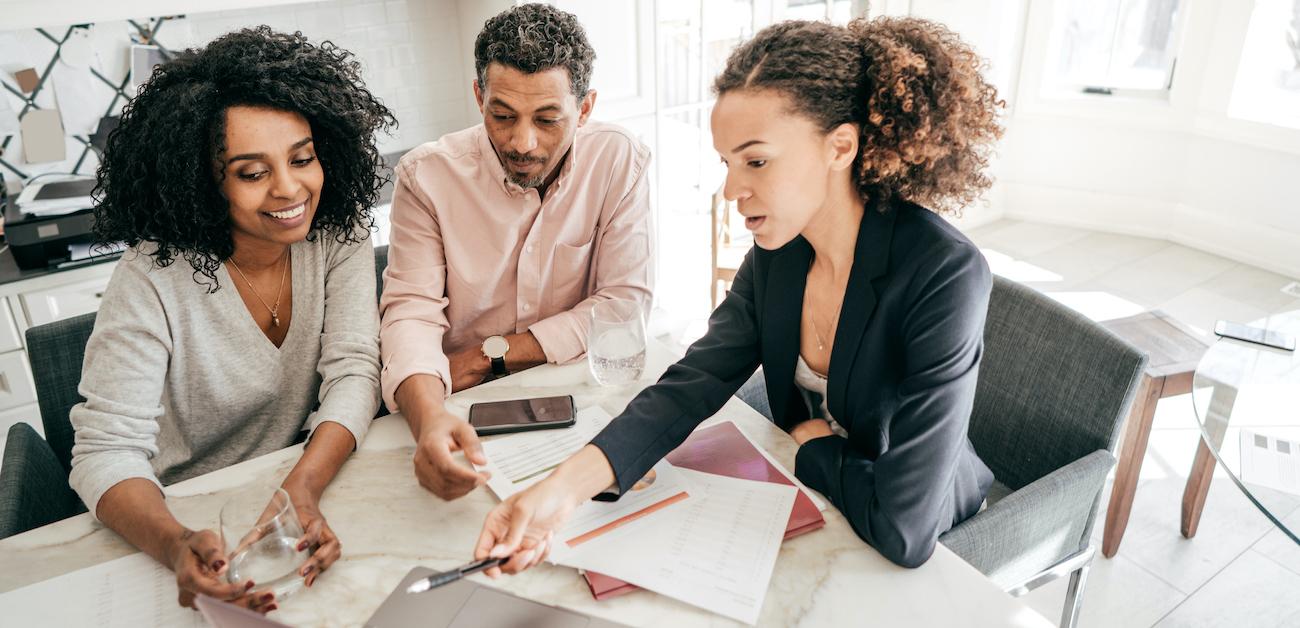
x: 388, y: 524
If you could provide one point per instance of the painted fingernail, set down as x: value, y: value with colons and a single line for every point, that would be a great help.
x: 248, y: 585
x: 268, y: 597
x: 218, y: 565
x: 306, y: 570
x: 271, y: 608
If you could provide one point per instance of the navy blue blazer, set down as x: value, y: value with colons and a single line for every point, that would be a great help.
x: 902, y: 378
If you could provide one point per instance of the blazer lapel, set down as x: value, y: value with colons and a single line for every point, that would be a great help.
x: 783, y: 304
x: 870, y: 260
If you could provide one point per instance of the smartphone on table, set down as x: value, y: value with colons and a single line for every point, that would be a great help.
x: 1277, y: 340
x: 522, y: 415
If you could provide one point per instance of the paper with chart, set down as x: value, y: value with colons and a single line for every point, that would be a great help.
x: 131, y: 591
x: 1270, y: 462
x: 518, y: 461
x: 716, y: 552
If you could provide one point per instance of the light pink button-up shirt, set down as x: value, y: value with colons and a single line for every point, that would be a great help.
x: 473, y: 255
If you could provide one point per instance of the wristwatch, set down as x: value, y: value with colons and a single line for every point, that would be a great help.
x: 495, y: 348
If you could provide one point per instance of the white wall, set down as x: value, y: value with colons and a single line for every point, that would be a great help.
x: 1177, y: 168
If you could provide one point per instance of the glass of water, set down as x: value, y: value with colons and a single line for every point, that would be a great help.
x: 616, y: 342
x: 260, y: 537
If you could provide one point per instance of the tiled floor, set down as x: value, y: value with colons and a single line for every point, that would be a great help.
x: 1238, y: 571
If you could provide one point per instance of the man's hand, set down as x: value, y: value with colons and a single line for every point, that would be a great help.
x: 441, y: 434
x: 469, y: 368
x: 811, y: 429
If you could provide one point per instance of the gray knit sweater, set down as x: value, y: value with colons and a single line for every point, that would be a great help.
x: 179, y: 382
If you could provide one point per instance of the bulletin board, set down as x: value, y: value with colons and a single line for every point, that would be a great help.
x: 90, y: 98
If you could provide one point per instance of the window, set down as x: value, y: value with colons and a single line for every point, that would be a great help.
x: 837, y: 11
x: 1106, y: 46
x: 1267, y: 87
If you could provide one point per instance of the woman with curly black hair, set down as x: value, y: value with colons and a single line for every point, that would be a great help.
x: 864, y: 308
x: 253, y: 161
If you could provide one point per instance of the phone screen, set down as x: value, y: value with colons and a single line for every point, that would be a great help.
x: 521, y: 412
x: 1254, y: 334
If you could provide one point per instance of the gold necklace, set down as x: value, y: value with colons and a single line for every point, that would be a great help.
x: 821, y: 345
x: 275, y: 311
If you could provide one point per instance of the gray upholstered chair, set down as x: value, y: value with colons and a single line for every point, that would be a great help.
x: 33, y: 486
x: 56, y: 351
x: 1053, y: 391
x: 1054, y: 388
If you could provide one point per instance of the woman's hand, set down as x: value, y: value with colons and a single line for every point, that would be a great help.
x: 523, y: 525
x: 200, y: 567
x: 811, y: 429
x: 318, y: 537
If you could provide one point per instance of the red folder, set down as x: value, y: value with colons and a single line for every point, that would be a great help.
x: 723, y: 450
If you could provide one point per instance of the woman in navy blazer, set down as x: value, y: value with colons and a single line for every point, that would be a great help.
x: 833, y: 137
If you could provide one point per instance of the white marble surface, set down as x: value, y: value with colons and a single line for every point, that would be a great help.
x: 388, y: 524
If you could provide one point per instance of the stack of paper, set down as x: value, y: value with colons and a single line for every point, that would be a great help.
x: 521, y: 460
x: 52, y: 197
x: 716, y: 550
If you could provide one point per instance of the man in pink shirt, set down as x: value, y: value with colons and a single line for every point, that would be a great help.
x: 505, y: 235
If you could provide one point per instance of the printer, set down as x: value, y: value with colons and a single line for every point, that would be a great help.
x: 47, y: 220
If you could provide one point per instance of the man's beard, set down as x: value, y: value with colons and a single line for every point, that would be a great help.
x: 526, y: 182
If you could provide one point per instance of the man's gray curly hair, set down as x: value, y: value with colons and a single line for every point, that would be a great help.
x: 532, y: 38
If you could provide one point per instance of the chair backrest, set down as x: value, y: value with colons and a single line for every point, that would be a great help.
x: 1053, y: 385
x: 55, y: 352
x: 33, y: 486
x: 381, y: 262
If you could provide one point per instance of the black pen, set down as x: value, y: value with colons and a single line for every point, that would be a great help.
x: 448, y: 577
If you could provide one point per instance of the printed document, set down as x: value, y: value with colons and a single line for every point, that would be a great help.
x: 716, y: 552
x: 518, y: 461
x: 131, y: 591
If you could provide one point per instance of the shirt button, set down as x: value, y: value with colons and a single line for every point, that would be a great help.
x: 531, y: 247
x: 527, y: 307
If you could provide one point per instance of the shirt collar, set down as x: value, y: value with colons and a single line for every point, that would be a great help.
x: 498, y: 171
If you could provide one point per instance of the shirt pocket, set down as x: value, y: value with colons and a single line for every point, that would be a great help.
x: 569, y: 272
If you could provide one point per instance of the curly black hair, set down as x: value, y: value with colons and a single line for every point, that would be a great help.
x: 160, y: 176
x: 532, y: 38
x: 928, y: 120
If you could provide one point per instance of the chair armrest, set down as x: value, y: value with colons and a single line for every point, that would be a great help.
x: 1035, y: 527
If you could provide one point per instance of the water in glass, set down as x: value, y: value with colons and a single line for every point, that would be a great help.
x: 616, y: 345
x: 261, y: 540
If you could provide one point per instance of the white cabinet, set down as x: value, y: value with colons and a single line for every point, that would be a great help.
x: 16, y: 387
x: 64, y: 301
x: 10, y: 339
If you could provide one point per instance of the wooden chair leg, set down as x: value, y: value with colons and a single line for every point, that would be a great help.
x: 1136, y: 434
x: 1198, y: 480
x: 1198, y: 487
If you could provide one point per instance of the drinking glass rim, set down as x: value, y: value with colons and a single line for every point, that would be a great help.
x: 279, y: 513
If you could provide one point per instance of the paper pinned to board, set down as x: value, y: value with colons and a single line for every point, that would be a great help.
x: 8, y: 117
x: 27, y: 80
x: 131, y: 591
x: 43, y: 139
x: 81, y: 98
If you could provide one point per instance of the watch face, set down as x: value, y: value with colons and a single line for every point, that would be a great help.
x: 495, y: 347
